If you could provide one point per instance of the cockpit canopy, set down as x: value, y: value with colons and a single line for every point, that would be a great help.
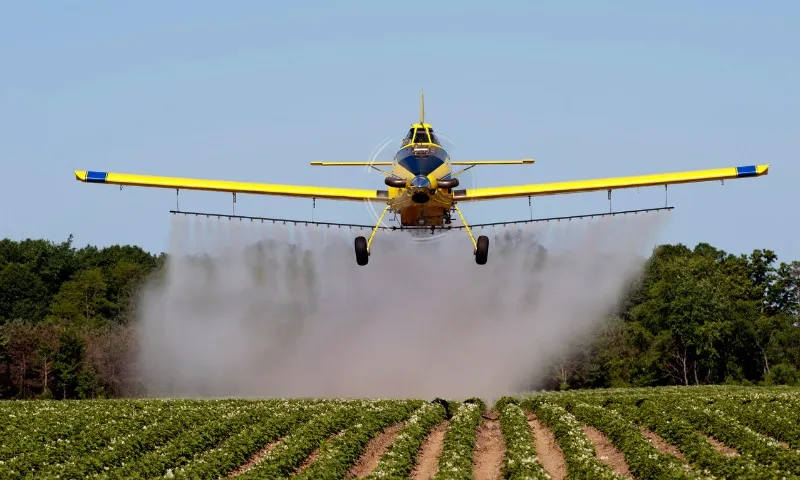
x: 421, y: 134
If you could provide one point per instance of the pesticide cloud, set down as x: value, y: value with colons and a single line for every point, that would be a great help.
x: 255, y: 310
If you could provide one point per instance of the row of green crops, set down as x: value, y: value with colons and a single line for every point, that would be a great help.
x: 213, y: 438
x: 761, y: 424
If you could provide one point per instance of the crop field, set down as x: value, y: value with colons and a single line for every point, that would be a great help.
x: 658, y: 433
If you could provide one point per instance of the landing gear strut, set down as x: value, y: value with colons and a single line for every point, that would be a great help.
x: 362, y: 245
x: 481, y: 246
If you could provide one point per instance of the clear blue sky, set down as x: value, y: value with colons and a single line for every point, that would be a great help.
x: 254, y: 90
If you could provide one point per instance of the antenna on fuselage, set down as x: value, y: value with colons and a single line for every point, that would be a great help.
x: 421, y: 106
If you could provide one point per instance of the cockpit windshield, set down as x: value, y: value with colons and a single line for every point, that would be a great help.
x: 409, y: 137
x: 421, y: 136
x: 433, y: 137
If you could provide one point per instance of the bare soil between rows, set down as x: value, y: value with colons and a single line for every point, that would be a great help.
x: 428, y: 458
x: 490, y: 449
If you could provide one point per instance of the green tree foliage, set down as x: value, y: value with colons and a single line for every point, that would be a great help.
x: 698, y: 316
x: 84, y: 299
x: 67, y: 362
x: 63, y: 316
x: 23, y: 295
x: 695, y: 316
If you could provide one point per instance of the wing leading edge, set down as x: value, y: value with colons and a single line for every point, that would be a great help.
x: 492, y: 162
x: 454, y: 162
x: 180, y: 183
x: 613, y: 183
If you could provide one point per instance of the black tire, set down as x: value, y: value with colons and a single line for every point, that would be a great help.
x: 362, y: 256
x: 482, y: 250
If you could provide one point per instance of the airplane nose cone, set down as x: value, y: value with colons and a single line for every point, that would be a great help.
x: 420, y: 181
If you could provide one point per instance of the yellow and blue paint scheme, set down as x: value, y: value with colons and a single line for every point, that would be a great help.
x: 421, y: 186
x: 614, y: 183
x: 181, y: 183
x: 421, y: 182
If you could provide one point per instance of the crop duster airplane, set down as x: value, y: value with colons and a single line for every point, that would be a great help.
x: 421, y: 187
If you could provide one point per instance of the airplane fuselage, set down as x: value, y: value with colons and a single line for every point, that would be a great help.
x: 421, y: 183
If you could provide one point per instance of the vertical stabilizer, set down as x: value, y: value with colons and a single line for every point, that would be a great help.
x: 421, y: 106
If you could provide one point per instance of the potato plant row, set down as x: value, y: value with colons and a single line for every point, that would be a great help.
x: 455, y: 462
x: 92, y: 437
x: 579, y: 452
x: 520, y: 461
x: 770, y: 415
x: 399, y: 460
x: 685, y: 418
x: 290, y: 452
x: 642, y: 457
x: 325, y: 438
x: 755, y: 449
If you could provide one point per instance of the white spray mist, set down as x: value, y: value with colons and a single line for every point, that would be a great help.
x: 263, y: 310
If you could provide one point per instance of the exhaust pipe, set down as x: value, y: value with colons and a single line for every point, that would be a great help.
x: 448, y: 183
x: 395, y: 182
x: 401, y: 183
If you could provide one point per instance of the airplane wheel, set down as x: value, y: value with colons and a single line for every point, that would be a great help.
x: 362, y: 256
x: 482, y: 251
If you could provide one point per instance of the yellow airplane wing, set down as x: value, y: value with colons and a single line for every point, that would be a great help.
x: 454, y: 162
x: 348, y: 164
x: 492, y: 162
x: 229, y: 186
x: 577, y: 186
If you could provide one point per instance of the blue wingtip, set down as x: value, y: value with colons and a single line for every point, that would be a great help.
x: 746, y: 171
x: 96, y: 177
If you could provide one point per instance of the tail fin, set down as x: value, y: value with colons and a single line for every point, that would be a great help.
x: 421, y: 106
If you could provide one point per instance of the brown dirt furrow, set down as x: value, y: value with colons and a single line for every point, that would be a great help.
x: 373, y: 452
x: 489, y: 451
x: 547, y: 450
x: 787, y: 446
x: 307, y: 462
x: 429, y: 453
x: 257, y: 457
x: 607, y: 452
x: 662, y: 445
x: 721, y: 447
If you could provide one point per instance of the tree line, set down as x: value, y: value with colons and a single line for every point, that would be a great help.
x: 695, y: 316
x: 66, y: 317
